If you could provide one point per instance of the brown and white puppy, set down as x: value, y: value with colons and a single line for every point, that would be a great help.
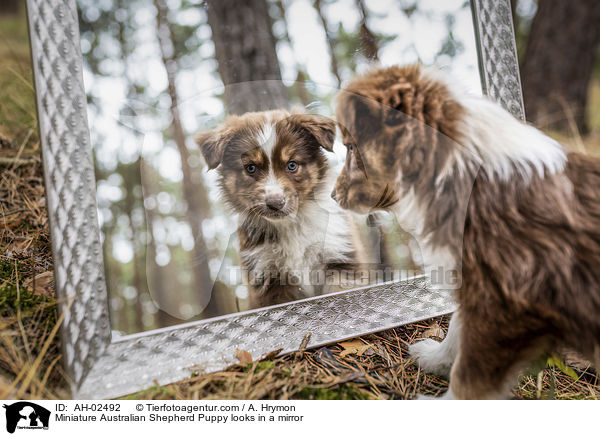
x: 489, y: 196
x: 273, y: 172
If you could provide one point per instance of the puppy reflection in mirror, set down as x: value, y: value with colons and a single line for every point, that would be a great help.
x: 491, y: 197
x: 273, y: 172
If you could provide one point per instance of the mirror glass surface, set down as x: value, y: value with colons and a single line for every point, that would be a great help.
x: 153, y: 80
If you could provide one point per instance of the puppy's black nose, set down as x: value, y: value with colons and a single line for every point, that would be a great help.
x: 275, y: 202
x: 333, y: 194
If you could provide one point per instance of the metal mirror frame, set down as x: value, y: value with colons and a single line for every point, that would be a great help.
x: 99, y: 367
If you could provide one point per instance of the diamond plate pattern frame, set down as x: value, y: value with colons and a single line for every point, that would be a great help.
x: 497, y: 54
x: 101, y: 368
x: 70, y: 183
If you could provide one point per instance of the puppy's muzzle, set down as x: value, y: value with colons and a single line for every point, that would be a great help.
x: 275, y: 202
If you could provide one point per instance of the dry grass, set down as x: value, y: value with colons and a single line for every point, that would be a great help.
x: 29, y: 356
x: 29, y: 348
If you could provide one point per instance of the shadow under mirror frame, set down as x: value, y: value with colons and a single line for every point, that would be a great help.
x: 100, y: 367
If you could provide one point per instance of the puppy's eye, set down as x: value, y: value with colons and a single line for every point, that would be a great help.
x: 292, y: 166
x: 250, y: 168
x: 350, y: 148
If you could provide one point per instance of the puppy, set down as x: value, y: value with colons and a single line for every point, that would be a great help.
x: 273, y: 172
x: 492, y: 198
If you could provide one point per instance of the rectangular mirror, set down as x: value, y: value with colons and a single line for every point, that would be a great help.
x: 147, y: 253
x: 154, y: 75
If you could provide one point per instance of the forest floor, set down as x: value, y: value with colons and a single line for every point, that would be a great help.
x: 374, y: 366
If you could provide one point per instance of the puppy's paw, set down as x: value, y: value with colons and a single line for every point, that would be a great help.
x: 432, y: 357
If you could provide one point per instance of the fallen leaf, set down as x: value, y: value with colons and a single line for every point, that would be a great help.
x: 243, y: 356
x: 434, y: 331
x: 354, y: 347
x: 369, y: 351
x: 44, y: 283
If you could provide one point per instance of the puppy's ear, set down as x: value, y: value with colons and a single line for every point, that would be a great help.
x: 359, y: 115
x: 321, y: 128
x: 211, y: 145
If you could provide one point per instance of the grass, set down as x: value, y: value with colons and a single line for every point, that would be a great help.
x: 18, y: 122
x: 30, y: 350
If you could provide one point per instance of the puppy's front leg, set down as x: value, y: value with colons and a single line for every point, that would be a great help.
x: 274, y: 290
x: 438, y: 357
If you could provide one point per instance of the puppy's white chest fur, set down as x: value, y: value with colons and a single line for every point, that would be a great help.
x: 411, y: 216
x: 317, y: 235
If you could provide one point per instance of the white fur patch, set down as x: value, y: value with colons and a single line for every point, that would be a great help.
x: 267, y: 139
x: 267, y: 136
x: 494, y: 140
x: 411, y: 216
x: 502, y: 144
x: 272, y: 185
x: 409, y: 212
x: 438, y: 357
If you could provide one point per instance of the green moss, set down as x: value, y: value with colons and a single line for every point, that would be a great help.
x: 7, y: 271
x: 155, y: 392
x: 264, y: 365
x: 14, y: 296
x: 343, y: 392
x: 260, y: 366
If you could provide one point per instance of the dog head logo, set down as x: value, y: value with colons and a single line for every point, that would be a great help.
x: 26, y: 415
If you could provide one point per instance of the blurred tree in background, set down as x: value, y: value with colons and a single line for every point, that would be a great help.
x: 174, y: 43
x: 245, y: 50
x: 559, y: 49
x: 10, y: 6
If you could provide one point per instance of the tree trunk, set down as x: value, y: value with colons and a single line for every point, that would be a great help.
x: 194, y: 193
x: 303, y: 94
x: 246, y: 55
x: 9, y: 6
x: 515, y: 17
x: 132, y: 177
x: 161, y: 292
x: 301, y: 78
x: 118, y: 316
x: 334, y: 65
x: 558, y: 63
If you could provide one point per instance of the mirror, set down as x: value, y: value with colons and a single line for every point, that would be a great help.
x: 158, y: 72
